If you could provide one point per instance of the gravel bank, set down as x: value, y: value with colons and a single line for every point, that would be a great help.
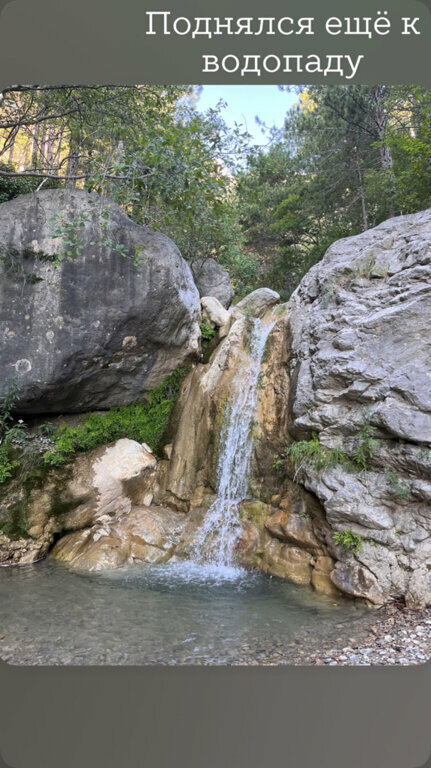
x: 398, y: 636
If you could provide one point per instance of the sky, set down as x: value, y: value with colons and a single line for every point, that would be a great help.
x: 244, y: 102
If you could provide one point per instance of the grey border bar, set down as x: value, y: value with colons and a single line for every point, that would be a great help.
x: 165, y: 717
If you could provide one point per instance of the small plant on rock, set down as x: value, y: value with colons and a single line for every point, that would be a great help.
x: 207, y: 332
x: 207, y: 335
x: 348, y: 540
x: 328, y: 294
x: 399, y: 489
x: 313, y: 452
x: 367, y: 446
x: 11, y: 435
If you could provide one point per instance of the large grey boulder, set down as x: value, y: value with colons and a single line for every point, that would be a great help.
x: 98, y: 330
x: 360, y: 371
x: 213, y: 280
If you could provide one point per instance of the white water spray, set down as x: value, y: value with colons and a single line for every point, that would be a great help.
x: 216, y: 539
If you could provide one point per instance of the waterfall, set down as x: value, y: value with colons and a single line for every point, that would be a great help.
x: 216, y: 539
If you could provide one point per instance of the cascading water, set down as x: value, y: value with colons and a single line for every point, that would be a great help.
x: 216, y: 539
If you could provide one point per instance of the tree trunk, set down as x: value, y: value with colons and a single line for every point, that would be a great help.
x: 362, y: 197
x: 381, y: 122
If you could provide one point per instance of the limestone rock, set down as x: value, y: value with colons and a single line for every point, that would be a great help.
x: 287, y: 562
x: 359, y: 369
x: 293, y: 528
x: 321, y: 576
x: 146, y: 535
x: 213, y: 280
x: 94, y: 488
x: 357, y: 581
x: 106, y: 482
x: 198, y: 418
x: 214, y: 311
x: 84, y: 552
x: 98, y: 331
x: 257, y: 303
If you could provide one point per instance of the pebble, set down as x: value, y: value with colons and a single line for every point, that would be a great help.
x: 407, y: 643
x: 395, y: 637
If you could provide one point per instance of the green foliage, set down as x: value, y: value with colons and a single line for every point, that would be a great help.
x: 316, y: 454
x: 7, y: 404
x: 13, y: 439
x: 207, y: 336
x: 148, y: 148
x: 313, y: 452
x: 143, y: 422
x: 7, y: 463
x: 348, y: 158
x: 366, y: 449
x: 13, y: 186
x: 399, y: 489
x: 47, y: 429
x: 207, y: 332
x: 348, y: 540
x: 279, y: 463
x: 70, y: 232
x: 11, y: 435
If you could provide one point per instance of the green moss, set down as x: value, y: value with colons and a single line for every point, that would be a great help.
x: 267, y: 350
x: 254, y: 512
x: 257, y: 558
x: 143, y: 422
x: 15, y: 527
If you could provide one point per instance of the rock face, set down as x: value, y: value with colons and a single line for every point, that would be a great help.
x: 213, y: 280
x: 99, y: 486
x: 360, y: 372
x: 97, y: 331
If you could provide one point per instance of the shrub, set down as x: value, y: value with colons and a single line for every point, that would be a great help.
x: 207, y: 332
x: 143, y: 422
x: 315, y: 453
